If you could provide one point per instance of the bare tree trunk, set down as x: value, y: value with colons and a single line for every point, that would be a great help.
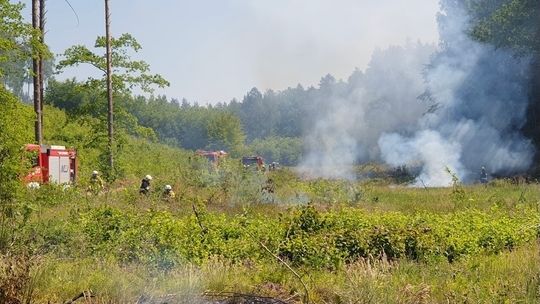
x: 531, y: 129
x: 36, y: 80
x: 110, y: 116
x: 41, y: 71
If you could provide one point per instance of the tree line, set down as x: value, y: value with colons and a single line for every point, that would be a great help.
x: 270, y: 123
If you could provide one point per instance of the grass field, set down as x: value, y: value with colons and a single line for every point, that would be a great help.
x: 317, y: 241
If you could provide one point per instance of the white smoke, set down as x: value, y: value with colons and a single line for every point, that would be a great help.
x: 335, y: 147
x: 481, y: 101
x: 351, y: 117
x: 472, y: 104
x: 429, y: 150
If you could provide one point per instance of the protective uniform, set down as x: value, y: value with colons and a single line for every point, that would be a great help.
x: 483, y: 176
x: 145, y: 185
x: 168, y: 193
x: 96, y: 183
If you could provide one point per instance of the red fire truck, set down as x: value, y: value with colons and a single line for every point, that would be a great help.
x: 212, y: 156
x: 256, y: 162
x: 51, y: 164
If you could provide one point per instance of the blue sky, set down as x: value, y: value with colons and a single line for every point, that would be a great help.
x: 215, y: 50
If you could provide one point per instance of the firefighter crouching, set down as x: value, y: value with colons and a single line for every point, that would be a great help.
x: 168, y: 192
x: 96, y: 183
x: 145, y: 185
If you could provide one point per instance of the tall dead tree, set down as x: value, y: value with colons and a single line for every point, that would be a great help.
x: 36, y: 74
x: 40, y: 65
x: 110, y: 117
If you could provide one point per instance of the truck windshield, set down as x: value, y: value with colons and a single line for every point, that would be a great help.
x: 249, y: 161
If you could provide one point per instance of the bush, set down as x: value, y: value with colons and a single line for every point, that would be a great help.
x: 303, y: 235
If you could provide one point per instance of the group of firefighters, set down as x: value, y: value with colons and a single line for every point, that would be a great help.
x: 97, y: 185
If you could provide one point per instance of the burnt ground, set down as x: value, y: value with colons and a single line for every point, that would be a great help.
x: 212, y: 298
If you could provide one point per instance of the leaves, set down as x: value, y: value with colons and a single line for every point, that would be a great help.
x: 18, y: 40
x: 506, y: 23
x: 304, y: 235
x: 127, y: 73
x: 13, y: 137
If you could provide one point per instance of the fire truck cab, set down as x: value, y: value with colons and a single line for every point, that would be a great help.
x: 51, y: 164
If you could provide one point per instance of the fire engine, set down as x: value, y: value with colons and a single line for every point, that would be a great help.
x: 51, y: 164
x: 256, y: 162
x: 212, y: 156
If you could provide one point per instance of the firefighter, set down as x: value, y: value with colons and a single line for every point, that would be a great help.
x: 269, y: 187
x: 268, y: 191
x: 168, y: 192
x: 96, y: 183
x: 145, y: 185
x: 483, y: 175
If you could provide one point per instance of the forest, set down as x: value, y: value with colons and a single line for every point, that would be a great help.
x: 377, y: 199
x: 277, y: 124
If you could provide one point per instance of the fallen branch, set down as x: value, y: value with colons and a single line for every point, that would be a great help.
x: 84, y: 294
x: 306, y: 295
x: 251, y: 297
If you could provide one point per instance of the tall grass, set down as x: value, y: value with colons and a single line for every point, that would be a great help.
x: 150, y: 247
x: 511, y: 277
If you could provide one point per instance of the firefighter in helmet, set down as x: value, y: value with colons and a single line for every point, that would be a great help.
x: 96, y: 183
x: 168, y: 192
x: 483, y: 175
x: 145, y: 185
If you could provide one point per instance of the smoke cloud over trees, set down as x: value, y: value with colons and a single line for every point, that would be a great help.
x: 470, y: 101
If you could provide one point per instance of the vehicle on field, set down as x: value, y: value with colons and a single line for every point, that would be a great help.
x: 253, y: 162
x: 50, y: 164
x: 214, y: 157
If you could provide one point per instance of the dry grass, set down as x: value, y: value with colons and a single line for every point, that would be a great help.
x: 16, y: 282
x: 510, y: 277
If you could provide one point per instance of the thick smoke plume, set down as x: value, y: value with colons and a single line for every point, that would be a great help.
x: 460, y: 107
x: 352, y: 116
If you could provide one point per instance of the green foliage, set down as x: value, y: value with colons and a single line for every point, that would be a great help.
x: 245, y: 187
x: 512, y: 24
x: 19, y: 43
x: 511, y: 277
x: 332, y: 192
x: 127, y: 73
x: 12, y: 140
x: 458, y: 193
x: 70, y: 96
x: 304, y: 236
x: 85, y: 127
x: 13, y: 137
x: 149, y: 118
x: 15, y: 32
x: 191, y: 127
x: 284, y: 150
x: 325, y: 239
x: 225, y: 133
